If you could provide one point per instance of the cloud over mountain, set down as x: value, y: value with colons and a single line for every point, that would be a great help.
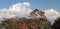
x: 52, y: 14
x: 22, y: 10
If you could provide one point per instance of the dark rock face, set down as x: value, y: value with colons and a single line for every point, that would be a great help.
x: 37, y: 13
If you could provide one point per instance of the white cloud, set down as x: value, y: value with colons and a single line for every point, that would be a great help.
x: 19, y: 9
x: 52, y: 14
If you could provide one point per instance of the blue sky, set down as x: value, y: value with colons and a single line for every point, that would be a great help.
x: 40, y: 4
